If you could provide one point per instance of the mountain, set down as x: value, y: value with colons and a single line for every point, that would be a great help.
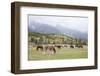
x: 42, y: 28
x: 58, y: 29
x: 73, y: 33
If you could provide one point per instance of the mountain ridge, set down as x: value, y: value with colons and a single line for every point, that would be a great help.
x: 47, y: 29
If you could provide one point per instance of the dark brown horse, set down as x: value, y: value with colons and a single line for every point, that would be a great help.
x: 71, y: 46
x: 39, y: 47
x: 58, y: 46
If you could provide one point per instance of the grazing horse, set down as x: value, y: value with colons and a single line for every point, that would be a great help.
x: 58, y: 46
x: 71, y: 46
x: 39, y: 47
x: 79, y: 46
x: 46, y: 48
x: 50, y: 48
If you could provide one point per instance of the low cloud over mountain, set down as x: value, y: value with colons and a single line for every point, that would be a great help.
x: 48, y: 29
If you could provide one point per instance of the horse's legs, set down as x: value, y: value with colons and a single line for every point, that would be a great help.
x: 54, y: 50
x: 37, y: 48
x: 42, y: 49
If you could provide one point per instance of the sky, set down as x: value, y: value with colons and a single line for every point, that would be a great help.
x: 71, y: 22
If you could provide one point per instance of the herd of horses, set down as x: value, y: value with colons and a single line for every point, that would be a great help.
x: 53, y: 48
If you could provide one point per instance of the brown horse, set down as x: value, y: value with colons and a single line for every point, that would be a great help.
x: 39, y: 47
x: 71, y: 46
x: 50, y: 48
x: 58, y: 46
x: 79, y: 46
x: 46, y: 48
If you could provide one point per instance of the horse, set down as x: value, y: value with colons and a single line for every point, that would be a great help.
x: 58, y: 46
x: 46, y: 48
x: 50, y: 48
x: 71, y: 46
x: 79, y: 46
x: 39, y: 47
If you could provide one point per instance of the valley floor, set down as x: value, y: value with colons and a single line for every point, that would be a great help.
x: 63, y: 53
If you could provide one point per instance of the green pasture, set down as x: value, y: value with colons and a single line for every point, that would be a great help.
x: 63, y: 53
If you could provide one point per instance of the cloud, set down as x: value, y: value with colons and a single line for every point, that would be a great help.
x: 75, y: 23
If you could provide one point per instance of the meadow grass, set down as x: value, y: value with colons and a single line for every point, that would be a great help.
x: 63, y: 53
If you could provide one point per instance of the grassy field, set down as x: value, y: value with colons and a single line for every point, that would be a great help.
x: 63, y: 53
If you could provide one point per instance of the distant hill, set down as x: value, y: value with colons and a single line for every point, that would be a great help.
x: 48, y: 29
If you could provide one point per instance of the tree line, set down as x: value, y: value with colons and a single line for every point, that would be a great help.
x: 55, y: 39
